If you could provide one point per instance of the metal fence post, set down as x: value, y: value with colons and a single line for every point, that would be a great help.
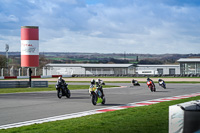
x: 2, y: 72
x: 19, y: 71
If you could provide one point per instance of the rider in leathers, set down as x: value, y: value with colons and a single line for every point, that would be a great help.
x: 99, y: 84
x: 61, y: 81
x: 148, y: 79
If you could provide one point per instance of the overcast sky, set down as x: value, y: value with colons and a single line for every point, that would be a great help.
x: 104, y: 26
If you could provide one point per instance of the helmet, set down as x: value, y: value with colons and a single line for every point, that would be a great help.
x: 92, y: 81
x: 148, y: 78
x: 97, y: 81
x: 59, y: 78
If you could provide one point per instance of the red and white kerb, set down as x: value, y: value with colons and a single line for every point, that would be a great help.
x: 29, y: 46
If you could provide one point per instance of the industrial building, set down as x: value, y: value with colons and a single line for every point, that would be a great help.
x: 109, y: 69
x: 88, y: 69
x: 189, y: 65
x: 158, y: 69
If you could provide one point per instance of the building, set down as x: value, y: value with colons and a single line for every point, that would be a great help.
x: 158, y: 69
x: 189, y: 65
x: 88, y: 69
x: 109, y: 69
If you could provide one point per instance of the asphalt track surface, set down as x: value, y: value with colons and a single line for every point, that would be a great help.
x: 19, y: 107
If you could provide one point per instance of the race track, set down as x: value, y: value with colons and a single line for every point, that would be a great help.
x: 21, y: 107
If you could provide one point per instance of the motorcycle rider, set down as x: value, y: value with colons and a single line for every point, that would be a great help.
x: 148, y: 79
x: 61, y: 81
x: 92, y: 82
x: 135, y: 82
x: 98, y: 85
x: 160, y: 81
x: 62, y: 89
x: 92, y: 85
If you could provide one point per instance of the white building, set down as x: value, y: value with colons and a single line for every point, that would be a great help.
x: 109, y: 69
x: 158, y: 69
x: 88, y: 69
x: 189, y: 65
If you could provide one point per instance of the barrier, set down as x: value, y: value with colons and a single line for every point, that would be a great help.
x: 10, y: 77
x: 22, y: 84
x: 56, y: 76
x: 22, y: 77
x: 26, y: 77
x: 184, y: 117
x: 13, y: 84
x: 35, y: 76
x: 49, y: 76
x: 39, y: 84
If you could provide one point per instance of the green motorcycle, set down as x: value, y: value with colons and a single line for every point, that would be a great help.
x: 96, y: 95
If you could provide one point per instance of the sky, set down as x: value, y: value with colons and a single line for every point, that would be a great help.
x: 104, y: 26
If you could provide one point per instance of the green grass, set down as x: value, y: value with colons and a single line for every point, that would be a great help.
x: 145, y: 119
x: 50, y: 88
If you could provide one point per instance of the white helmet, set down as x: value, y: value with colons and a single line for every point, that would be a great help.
x: 92, y: 81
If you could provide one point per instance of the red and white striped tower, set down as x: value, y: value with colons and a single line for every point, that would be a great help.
x: 29, y: 46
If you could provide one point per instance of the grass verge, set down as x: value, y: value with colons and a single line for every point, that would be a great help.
x: 50, y: 88
x: 145, y: 119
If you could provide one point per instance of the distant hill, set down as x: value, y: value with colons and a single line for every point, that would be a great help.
x: 72, y: 57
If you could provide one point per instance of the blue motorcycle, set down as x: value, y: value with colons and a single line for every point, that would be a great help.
x: 162, y: 83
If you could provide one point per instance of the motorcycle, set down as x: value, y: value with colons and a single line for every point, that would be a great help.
x: 96, y: 95
x: 135, y: 83
x: 151, y: 86
x: 62, y: 90
x: 162, y: 84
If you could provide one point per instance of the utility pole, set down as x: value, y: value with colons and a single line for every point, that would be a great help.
x: 137, y: 59
x: 30, y: 72
x: 124, y: 55
x: 7, y: 48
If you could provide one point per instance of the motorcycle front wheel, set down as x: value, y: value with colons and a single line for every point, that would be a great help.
x: 151, y: 88
x: 104, y: 100
x: 68, y: 94
x: 59, y: 93
x: 94, y: 99
x: 164, y: 86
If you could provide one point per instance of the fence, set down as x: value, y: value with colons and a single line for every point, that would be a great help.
x: 12, y: 71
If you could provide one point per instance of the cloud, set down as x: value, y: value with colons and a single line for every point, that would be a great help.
x: 133, y: 26
x: 6, y: 19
